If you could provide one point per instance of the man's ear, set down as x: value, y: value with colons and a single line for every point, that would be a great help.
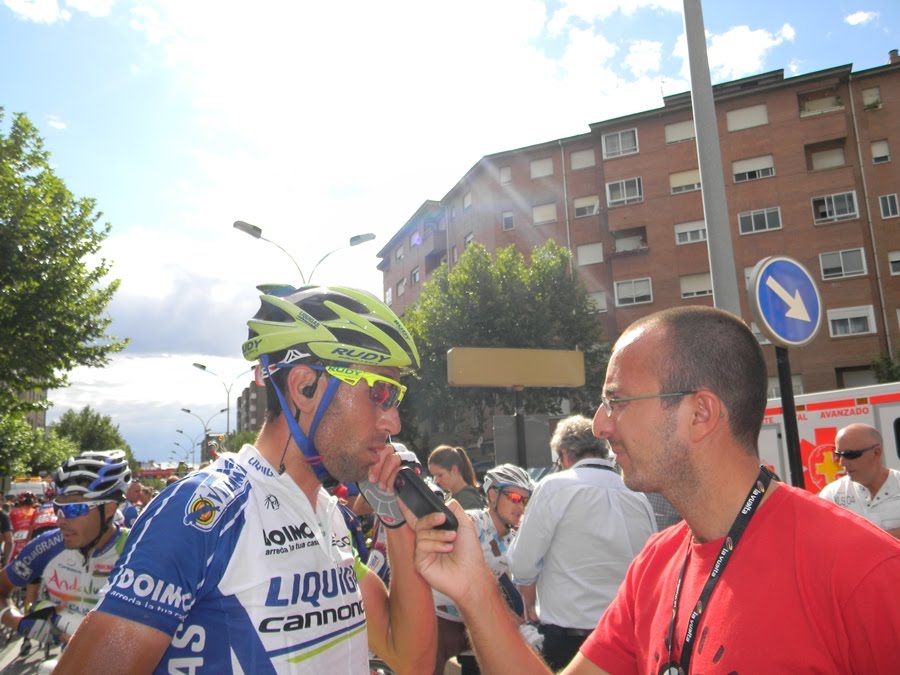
x: 301, y: 387
x: 707, y: 414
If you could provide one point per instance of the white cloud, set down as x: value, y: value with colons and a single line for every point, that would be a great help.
x: 95, y: 8
x: 38, y: 11
x: 56, y: 122
x: 860, y: 18
x: 579, y: 12
x: 738, y: 52
x: 644, y: 57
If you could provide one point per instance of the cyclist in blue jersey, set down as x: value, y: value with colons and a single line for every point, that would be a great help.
x: 75, y: 559
x: 247, y: 566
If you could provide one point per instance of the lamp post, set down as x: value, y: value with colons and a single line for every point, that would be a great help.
x: 256, y: 232
x: 227, y: 387
x: 193, y: 441
x: 205, y: 424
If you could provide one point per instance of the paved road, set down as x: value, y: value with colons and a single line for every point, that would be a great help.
x: 12, y: 664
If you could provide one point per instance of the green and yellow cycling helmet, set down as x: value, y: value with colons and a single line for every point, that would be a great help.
x: 335, y: 323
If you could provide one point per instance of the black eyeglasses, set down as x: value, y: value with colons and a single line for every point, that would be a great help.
x: 609, y: 403
x: 853, y: 454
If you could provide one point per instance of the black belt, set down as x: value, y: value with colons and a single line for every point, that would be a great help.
x: 550, y: 629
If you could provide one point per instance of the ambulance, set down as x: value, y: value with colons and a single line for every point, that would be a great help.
x: 819, y: 416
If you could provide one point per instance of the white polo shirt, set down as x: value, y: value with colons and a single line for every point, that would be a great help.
x: 883, y: 509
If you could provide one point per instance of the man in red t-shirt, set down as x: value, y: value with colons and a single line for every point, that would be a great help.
x: 20, y: 518
x: 760, y: 578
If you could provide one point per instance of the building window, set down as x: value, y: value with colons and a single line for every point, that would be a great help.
x: 582, y: 159
x: 414, y: 276
x: 633, y: 292
x: 889, y: 206
x: 469, y: 239
x: 871, y: 98
x: 544, y: 213
x: 507, y: 218
x: 760, y: 220
x: 678, y: 132
x: 620, y: 143
x: 398, y: 254
x: 505, y: 175
x: 832, y: 208
x: 684, y: 181
x: 753, y: 168
x: 467, y: 201
x: 894, y: 262
x: 841, y: 264
x: 627, y: 191
x: 389, y: 297
x: 851, y: 321
x: 415, y: 239
x: 401, y: 287
x: 696, y: 285
x: 689, y: 233
x: 746, y: 118
x: 827, y: 155
x: 880, y: 152
x: 587, y: 206
x: 542, y: 167
x: 589, y: 254
x: 598, y: 298
x: 818, y: 102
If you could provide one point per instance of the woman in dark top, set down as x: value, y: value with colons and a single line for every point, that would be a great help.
x: 453, y: 472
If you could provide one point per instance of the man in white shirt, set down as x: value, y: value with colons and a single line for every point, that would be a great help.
x: 581, y: 530
x: 869, y: 489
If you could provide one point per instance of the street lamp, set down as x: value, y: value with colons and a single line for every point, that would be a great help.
x: 256, y: 233
x: 227, y: 387
x: 205, y: 424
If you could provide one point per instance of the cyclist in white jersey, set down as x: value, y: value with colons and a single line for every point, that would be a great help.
x: 247, y: 566
x: 75, y: 559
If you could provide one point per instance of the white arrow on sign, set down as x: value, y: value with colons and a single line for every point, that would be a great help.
x: 796, y: 308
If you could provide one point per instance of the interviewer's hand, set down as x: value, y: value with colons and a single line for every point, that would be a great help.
x: 452, y: 562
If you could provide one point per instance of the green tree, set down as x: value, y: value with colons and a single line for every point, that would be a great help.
x: 52, y: 294
x: 25, y: 451
x: 886, y: 369
x: 501, y: 302
x: 89, y: 430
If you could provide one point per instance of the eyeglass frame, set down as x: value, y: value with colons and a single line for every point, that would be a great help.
x: 60, y: 508
x: 352, y: 376
x: 854, y: 454
x: 608, y: 403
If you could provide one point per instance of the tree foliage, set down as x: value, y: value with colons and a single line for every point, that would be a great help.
x: 52, y: 294
x: 500, y: 302
x: 25, y: 451
x: 886, y: 369
x: 89, y: 430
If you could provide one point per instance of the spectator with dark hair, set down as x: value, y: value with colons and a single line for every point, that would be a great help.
x: 453, y: 472
x: 580, y: 533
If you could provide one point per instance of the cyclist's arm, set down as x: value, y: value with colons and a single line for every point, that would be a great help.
x: 138, y: 650
x: 402, y: 624
x: 11, y: 614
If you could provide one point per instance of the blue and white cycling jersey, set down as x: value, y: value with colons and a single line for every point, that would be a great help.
x: 70, y: 583
x: 236, y: 566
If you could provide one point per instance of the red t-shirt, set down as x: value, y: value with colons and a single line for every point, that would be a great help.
x: 810, y: 588
x: 20, y: 518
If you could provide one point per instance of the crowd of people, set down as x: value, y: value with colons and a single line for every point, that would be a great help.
x: 659, y: 544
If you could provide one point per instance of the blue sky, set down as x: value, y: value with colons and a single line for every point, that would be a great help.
x: 318, y: 121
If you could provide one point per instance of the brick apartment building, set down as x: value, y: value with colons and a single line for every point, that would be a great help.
x: 808, y: 174
x: 251, y: 408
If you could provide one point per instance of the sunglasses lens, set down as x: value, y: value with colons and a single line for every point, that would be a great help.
x: 73, y: 510
x: 384, y: 394
x: 516, y: 498
x: 850, y: 454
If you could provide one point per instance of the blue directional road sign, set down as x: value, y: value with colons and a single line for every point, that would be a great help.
x: 785, y: 301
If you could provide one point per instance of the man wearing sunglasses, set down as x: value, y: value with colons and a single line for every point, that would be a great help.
x: 869, y: 489
x: 74, y: 560
x: 247, y: 565
x: 582, y: 531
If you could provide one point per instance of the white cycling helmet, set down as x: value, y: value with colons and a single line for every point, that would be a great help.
x: 94, y: 475
x: 507, y: 475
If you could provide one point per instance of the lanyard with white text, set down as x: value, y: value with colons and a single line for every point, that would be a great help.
x: 731, y: 541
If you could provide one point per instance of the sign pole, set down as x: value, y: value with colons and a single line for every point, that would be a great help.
x: 520, y: 427
x: 789, y: 414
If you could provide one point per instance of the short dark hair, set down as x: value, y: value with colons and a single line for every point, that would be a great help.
x: 711, y: 348
x: 575, y: 434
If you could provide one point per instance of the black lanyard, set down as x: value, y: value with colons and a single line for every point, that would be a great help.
x: 728, y: 546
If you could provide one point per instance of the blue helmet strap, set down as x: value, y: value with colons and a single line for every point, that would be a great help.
x: 306, y: 443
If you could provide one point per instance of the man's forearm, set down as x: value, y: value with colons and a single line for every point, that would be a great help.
x: 493, y: 632
x: 413, y: 631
